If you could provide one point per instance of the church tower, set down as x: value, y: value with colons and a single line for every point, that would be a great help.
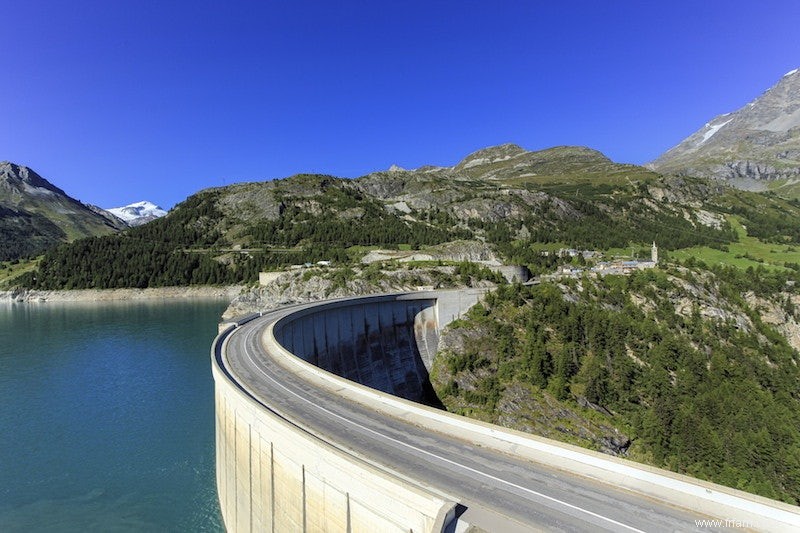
x: 654, y: 253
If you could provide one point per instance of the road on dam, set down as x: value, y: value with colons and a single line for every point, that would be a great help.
x: 500, y: 492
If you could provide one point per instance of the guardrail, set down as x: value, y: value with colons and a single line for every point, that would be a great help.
x: 682, y: 491
x: 357, y: 494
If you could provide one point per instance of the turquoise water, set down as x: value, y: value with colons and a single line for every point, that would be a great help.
x: 107, y: 417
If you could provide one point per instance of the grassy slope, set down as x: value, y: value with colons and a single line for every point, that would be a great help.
x: 10, y: 270
x: 748, y: 252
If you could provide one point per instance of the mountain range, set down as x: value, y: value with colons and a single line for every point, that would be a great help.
x: 756, y: 147
x: 502, y: 195
x: 35, y: 215
x: 510, y: 202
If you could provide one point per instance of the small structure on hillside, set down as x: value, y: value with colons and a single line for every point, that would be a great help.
x: 626, y: 267
x: 512, y: 273
x: 618, y: 267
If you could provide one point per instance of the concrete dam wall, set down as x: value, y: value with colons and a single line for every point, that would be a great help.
x: 275, y: 475
x: 387, y: 344
x: 272, y: 476
x: 299, y: 448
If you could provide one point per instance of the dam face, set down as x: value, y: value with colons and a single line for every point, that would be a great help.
x: 299, y: 448
x: 388, y: 345
x: 274, y: 474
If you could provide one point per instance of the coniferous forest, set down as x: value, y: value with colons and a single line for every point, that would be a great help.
x: 716, y: 397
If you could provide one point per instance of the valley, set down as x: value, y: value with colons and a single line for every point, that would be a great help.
x: 688, y: 364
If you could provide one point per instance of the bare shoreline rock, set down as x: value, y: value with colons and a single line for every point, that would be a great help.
x: 107, y: 295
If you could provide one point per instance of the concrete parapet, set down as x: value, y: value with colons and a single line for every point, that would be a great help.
x: 681, y: 491
x: 273, y: 475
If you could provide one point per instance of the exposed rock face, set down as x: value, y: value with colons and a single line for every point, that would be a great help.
x: 783, y: 317
x: 488, y: 156
x: 757, y: 143
x: 473, y: 251
x: 251, y: 201
x: 36, y: 215
x: 487, y: 184
x: 19, y: 183
x: 315, y: 284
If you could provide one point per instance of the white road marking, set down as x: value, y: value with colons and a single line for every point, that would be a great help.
x: 249, y: 337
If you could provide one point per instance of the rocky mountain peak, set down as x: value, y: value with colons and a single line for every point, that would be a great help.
x: 21, y: 180
x: 760, y: 141
x: 37, y: 215
x: 490, y: 155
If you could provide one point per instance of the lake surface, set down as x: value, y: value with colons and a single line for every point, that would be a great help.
x: 107, y: 417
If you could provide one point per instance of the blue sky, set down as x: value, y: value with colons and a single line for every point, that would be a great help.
x: 119, y: 101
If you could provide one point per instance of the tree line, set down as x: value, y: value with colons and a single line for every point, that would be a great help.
x: 702, y: 397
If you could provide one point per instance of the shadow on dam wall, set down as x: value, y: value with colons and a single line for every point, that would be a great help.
x: 388, y: 344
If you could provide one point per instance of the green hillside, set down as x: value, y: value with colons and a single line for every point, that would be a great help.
x: 674, y: 368
x: 514, y: 200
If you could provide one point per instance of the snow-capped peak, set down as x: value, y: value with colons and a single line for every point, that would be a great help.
x: 138, y: 213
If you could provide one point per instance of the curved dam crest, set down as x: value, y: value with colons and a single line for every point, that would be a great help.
x: 274, y: 473
x: 388, y: 345
x: 301, y: 449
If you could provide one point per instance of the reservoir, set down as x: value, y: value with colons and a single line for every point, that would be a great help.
x: 107, y: 416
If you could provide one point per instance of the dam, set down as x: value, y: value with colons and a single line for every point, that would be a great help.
x: 386, y: 344
x: 326, y: 421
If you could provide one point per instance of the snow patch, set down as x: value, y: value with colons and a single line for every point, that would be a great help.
x: 139, y: 211
x: 712, y: 130
x: 790, y: 72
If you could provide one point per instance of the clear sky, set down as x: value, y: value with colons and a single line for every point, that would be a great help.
x: 117, y: 101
